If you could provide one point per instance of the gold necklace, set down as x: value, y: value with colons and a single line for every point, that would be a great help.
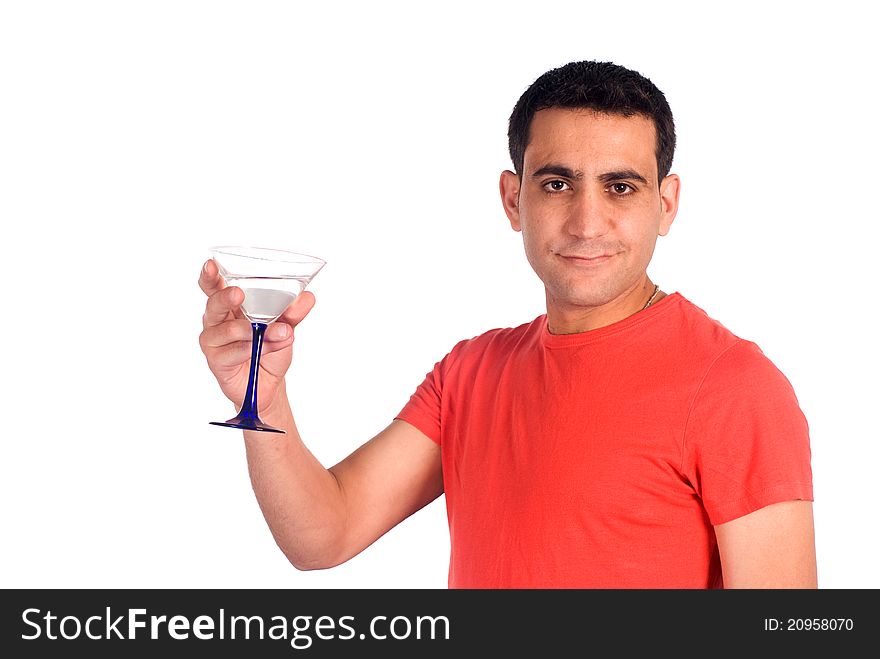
x: 651, y: 299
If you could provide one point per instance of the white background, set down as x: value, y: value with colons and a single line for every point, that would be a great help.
x: 134, y: 135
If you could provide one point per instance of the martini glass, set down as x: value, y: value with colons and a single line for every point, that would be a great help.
x: 271, y: 279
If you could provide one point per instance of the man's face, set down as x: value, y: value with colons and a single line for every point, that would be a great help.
x: 589, y: 205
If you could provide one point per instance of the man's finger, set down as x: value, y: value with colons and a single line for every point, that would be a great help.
x: 232, y: 354
x: 210, y: 280
x: 301, y: 306
x: 221, y: 306
x: 224, y: 334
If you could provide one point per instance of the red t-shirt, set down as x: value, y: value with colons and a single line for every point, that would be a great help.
x: 603, y: 459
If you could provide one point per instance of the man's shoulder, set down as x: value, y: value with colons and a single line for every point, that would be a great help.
x: 703, y: 335
x: 694, y: 324
x: 501, y: 338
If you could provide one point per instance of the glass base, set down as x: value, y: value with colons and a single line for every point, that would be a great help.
x: 246, y: 423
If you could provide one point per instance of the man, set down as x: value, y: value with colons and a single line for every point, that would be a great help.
x: 622, y: 440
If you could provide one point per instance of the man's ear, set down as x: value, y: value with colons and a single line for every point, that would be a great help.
x: 509, y: 186
x: 669, y: 189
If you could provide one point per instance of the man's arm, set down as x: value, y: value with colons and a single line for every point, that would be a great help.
x: 319, y: 517
x: 773, y: 547
x: 323, y: 517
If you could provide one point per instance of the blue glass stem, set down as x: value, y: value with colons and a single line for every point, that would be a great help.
x: 249, y: 405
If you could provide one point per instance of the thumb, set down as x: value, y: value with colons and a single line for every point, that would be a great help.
x: 299, y: 309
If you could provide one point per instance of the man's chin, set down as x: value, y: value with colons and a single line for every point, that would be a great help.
x: 580, y: 298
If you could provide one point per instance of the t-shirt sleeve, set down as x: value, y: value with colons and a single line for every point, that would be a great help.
x: 746, y: 443
x: 423, y: 410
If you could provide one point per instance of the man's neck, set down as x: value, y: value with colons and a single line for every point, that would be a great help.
x: 563, y: 318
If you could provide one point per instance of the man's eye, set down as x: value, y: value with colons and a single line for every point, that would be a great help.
x: 621, y: 188
x: 555, y: 186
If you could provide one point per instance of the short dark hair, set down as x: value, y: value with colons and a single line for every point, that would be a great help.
x: 600, y: 86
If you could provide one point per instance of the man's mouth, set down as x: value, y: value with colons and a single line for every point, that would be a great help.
x: 586, y: 259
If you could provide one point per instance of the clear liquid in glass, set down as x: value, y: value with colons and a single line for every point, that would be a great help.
x: 266, y: 298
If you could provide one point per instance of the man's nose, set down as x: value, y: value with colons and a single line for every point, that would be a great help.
x: 588, y: 216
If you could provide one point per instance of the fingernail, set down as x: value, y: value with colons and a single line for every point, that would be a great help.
x: 281, y: 331
x: 205, y: 267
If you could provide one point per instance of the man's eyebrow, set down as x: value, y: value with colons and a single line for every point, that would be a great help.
x: 622, y: 174
x: 577, y: 175
x: 558, y: 170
